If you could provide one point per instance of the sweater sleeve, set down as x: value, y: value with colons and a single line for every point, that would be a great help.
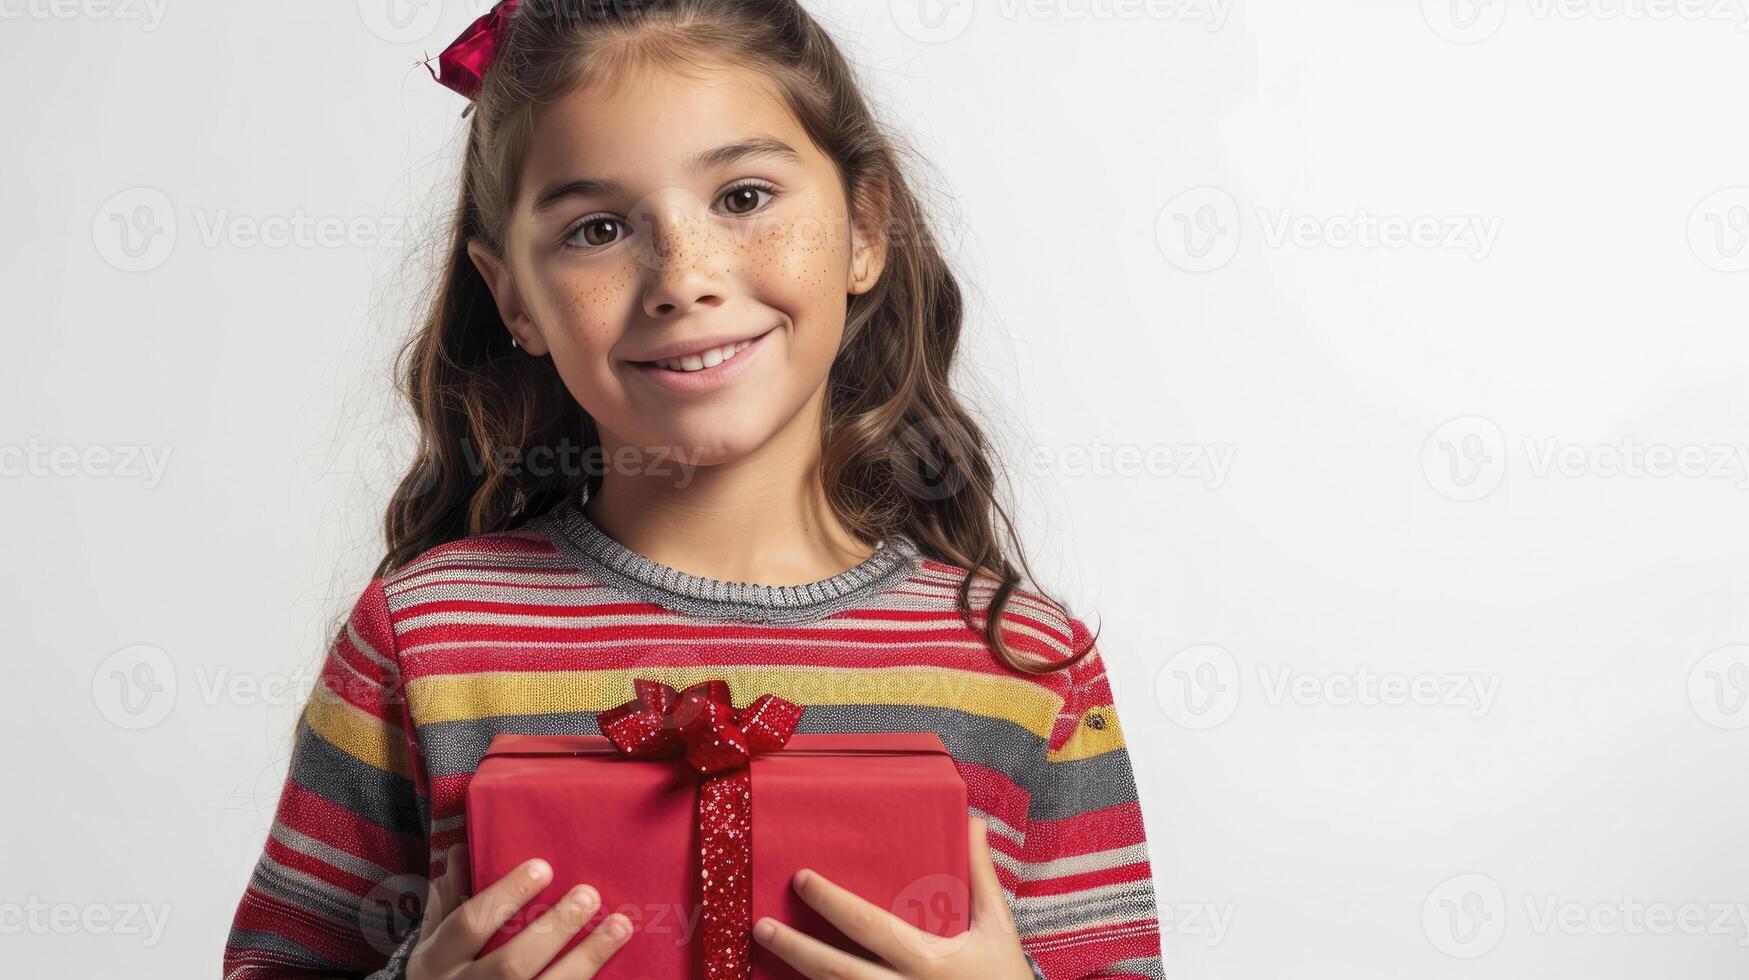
x: 344, y: 868
x: 1085, y: 903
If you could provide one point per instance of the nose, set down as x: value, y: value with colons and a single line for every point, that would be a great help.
x: 685, y: 257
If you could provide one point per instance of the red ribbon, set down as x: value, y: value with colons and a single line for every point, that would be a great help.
x: 463, y: 64
x: 718, y: 741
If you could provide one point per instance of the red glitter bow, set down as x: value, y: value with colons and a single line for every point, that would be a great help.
x: 464, y: 62
x: 718, y: 741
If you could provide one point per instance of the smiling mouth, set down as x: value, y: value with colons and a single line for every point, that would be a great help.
x: 703, y: 360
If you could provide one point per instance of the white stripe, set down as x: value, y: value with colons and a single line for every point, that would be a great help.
x: 888, y: 629
x: 1000, y: 826
x: 544, y: 572
x: 562, y: 620
x: 371, y: 683
x: 1118, y: 891
x: 365, y: 648
x: 328, y: 853
x: 292, y: 879
x: 1117, y: 857
x: 1068, y: 941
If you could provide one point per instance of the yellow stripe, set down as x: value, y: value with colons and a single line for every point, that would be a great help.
x: 461, y: 697
x: 1089, y: 741
x: 358, y: 733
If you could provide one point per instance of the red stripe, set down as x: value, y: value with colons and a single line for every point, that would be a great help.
x: 1084, y: 953
x: 1085, y: 833
x: 1065, y: 884
x: 315, y: 816
x: 260, y: 912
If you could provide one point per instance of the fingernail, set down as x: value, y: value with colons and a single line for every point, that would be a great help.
x: 584, y: 896
x: 618, y: 926
x: 538, y: 869
x: 764, y: 930
x: 803, y: 877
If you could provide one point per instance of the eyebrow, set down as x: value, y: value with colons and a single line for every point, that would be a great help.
x: 721, y: 156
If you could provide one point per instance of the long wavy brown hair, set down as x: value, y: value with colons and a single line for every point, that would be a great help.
x: 899, y: 452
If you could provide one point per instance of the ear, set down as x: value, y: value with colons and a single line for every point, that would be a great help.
x: 868, y: 239
x: 508, y: 299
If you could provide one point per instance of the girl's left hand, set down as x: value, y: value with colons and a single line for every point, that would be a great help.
x: 989, y: 949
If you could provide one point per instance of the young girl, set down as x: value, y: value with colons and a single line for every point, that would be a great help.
x: 685, y: 414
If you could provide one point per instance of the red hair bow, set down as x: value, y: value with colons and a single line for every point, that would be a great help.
x: 463, y: 64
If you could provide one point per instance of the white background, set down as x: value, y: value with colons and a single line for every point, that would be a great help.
x: 1115, y: 181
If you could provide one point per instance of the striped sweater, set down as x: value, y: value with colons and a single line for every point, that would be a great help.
x: 536, y: 629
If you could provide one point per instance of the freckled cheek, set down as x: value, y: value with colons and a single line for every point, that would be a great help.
x: 589, y: 312
x: 798, y: 267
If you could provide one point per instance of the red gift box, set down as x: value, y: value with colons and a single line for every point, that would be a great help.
x: 884, y: 815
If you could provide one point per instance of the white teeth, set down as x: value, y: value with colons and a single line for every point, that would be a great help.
x: 706, y: 359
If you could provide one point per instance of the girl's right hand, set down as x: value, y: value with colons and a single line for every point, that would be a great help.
x: 448, y: 943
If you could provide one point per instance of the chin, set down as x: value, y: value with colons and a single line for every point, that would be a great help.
x: 710, y: 443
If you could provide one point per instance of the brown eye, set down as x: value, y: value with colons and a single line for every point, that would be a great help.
x: 599, y: 231
x: 743, y: 199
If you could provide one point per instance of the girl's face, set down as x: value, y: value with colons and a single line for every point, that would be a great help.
x: 658, y: 223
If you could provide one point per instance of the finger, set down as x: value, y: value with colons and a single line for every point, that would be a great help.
x: 535, y: 945
x: 874, y: 928
x: 815, y: 959
x: 447, y: 890
x: 990, y: 911
x: 587, y: 959
x: 461, y: 935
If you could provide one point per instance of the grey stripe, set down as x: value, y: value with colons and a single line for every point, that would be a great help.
x: 309, y: 892
x: 1057, y: 790
x: 1141, y: 966
x: 1123, y: 903
x: 1074, y: 787
x: 612, y: 563
x: 396, y: 966
x: 276, y: 948
x: 353, y: 916
x: 453, y: 748
x: 383, y: 798
x: 456, y: 747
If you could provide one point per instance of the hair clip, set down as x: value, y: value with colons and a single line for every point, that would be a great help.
x: 462, y: 66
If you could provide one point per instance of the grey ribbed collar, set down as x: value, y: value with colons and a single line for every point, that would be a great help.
x: 590, y: 548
